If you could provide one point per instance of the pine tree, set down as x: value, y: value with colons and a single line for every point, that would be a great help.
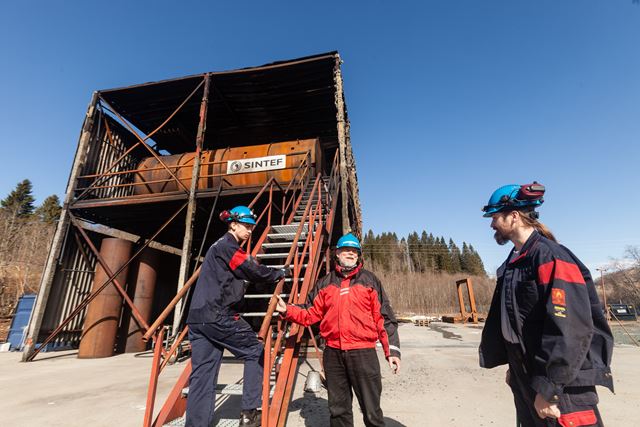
x: 425, y: 256
x: 50, y: 209
x: 368, y: 248
x: 466, y: 264
x: 19, y: 203
x: 478, y: 266
x: 415, y: 254
x: 443, y: 257
x: 454, y: 251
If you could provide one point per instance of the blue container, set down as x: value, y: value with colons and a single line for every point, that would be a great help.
x: 17, y: 332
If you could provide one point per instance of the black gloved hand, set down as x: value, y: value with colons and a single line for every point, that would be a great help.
x: 287, y: 271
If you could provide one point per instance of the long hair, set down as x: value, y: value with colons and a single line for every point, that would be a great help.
x: 529, y: 220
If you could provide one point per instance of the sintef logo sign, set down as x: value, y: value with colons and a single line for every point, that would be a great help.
x: 257, y: 164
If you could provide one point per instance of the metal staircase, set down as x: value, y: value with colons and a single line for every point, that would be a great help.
x: 300, y: 242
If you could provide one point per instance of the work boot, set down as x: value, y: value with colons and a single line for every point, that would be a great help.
x: 250, y: 418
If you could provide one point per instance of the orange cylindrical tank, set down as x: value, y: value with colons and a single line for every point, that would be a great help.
x: 215, y: 164
x: 103, y: 313
x: 143, y: 298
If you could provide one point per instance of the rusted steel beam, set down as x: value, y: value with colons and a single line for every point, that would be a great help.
x: 277, y: 411
x: 134, y: 310
x: 318, y: 351
x: 353, y: 180
x: 90, y: 298
x: 273, y: 301
x: 112, y: 278
x: 169, y: 308
x: 153, y: 379
x: 143, y: 294
x: 266, y: 378
x: 160, y: 197
x: 285, y: 380
x: 290, y: 358
x: 191, y: 208
x: 176, y: 404
x: 103, y: 315
x: 59, y: 236
x: 174, y: 347
x: 101, y: 177
x: 143, y: 141
x: 340, y: 115
x: 114, y: 232
x: 186, y: 165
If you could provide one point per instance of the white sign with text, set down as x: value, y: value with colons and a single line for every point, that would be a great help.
x: 257, y: 164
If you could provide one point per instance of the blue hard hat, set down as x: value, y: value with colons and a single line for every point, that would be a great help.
x: 349, y: 241
x: 239, y: 214
x: 513, y: 196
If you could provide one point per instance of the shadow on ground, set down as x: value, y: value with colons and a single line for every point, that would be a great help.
x: 315, y: 412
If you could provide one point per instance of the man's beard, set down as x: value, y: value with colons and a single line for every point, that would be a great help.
x: 348, y: 264
x: 500, y: 238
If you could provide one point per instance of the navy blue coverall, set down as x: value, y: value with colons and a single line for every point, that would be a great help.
x: 564, y: 343
x: 215, y: 324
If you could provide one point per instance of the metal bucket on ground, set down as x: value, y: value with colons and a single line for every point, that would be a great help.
x: 313, y: 384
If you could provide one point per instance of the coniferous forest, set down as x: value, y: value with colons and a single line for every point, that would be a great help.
x: 421, y: 253
x: 419, y: 272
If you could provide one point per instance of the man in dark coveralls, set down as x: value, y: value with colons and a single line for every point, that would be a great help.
x: 545, y: 320
x: 215, y: 324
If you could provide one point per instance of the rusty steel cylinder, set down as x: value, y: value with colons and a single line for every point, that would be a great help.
x: 143, y: 298
x: 152, y: 177
x: 103, y: 313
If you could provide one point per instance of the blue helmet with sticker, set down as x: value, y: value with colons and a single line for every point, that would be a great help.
x: 349, y: 241
x: 239, y: 214
x: 513, y: 196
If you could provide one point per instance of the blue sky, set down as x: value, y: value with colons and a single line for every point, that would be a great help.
x: 447, y: 99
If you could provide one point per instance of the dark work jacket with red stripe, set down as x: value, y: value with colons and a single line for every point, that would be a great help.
x: 556, y: 313
x: 353, y: 311
x: 225, y: 273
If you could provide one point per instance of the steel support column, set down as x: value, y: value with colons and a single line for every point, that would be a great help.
x: 342, y: 140
x: 63, y: 224
x: 145, y: 286
x: 103, y: 314
x: 191, y: 208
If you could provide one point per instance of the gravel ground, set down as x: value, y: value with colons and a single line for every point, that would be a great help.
x: 440, y: 384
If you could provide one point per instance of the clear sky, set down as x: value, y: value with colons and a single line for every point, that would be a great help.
x: 448, y: 99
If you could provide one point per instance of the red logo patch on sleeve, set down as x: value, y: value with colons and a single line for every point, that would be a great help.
x: 557, y: 297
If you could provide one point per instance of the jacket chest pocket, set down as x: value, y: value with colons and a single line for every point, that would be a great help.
x: 526, y: 296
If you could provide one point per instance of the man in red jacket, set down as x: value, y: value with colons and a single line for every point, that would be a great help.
x: 355, y: 313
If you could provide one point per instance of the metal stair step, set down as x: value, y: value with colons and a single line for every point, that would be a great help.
x: 258, y: 296
x: 282, y: 265
x: 299, y: 217
x: 226, y: 389
x: 223, y: 422
x: 301, y: 208
x: 259, y: 314
x: 301, y: 212
x: 290, y: 228
x: 280, y: 245
x: 274, y: 255
x: 285, y: 236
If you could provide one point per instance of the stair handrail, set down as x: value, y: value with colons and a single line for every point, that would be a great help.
x: 302, y: 183
x: 161, y: 358
x: 273, y: 301
x: 180, y: 294
x: 274, y: 413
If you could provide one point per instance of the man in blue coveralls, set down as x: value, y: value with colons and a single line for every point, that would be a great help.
x: 215, y: 324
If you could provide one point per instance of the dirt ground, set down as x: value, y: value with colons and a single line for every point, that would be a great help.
x: 440, y: 384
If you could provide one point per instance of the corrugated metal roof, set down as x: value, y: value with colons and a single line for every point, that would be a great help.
x: 274, y: 102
